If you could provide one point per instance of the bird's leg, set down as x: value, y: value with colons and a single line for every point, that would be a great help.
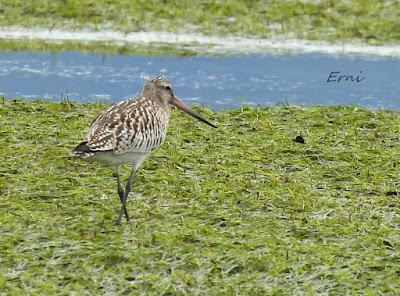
x: 126, y: 193
x: 121, y: 191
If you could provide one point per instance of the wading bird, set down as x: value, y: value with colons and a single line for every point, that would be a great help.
x: 128, y: 132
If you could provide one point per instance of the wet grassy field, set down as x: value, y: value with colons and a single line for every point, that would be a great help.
x: 370, y: 22
x: 238, y: 210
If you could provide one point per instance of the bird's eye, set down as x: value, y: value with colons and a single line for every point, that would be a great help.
x: 167, y: 87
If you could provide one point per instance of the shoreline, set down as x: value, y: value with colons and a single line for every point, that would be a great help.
x: 198, y: 43
x: 205, y: 108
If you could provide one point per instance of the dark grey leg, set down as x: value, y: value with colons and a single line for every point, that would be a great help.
x: 126, y: 193
x: 121, y: 191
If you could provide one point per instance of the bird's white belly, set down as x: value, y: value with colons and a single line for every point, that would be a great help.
x: 109, y: 158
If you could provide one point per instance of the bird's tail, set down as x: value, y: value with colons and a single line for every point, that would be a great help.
x: 83, y: 150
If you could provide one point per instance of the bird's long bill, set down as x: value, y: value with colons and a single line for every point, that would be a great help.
x: 181, y: 105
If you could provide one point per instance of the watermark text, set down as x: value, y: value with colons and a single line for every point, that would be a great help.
x: 337, y: 76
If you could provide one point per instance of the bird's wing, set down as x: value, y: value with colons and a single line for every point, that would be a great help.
x: 134, y: 125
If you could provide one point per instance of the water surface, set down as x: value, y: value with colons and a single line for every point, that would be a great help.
x: 218, y: 82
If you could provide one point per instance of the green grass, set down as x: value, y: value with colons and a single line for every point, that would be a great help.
x: 238, y: 210
x: 99, y: 47
x: 368, y: 21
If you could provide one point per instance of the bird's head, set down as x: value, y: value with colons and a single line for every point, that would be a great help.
x: 160, y: 89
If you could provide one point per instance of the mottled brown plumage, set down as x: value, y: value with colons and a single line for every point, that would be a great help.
x: 137, y: 124
x: 127, y: 132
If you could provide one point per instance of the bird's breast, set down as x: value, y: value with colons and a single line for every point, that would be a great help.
x: 143, y: 132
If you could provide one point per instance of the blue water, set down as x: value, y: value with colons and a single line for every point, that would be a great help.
x: 218, y: 82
